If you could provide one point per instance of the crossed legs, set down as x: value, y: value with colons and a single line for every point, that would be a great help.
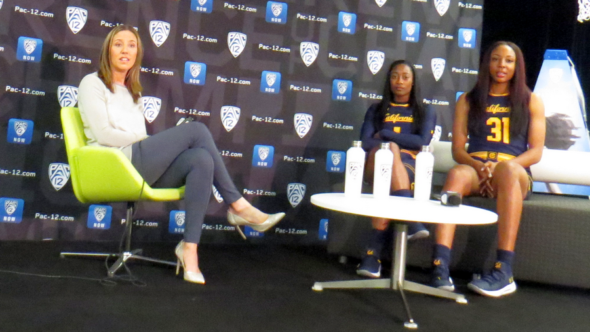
x: 187, y: 155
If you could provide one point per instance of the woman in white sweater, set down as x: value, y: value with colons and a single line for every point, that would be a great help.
x: 184, y: 155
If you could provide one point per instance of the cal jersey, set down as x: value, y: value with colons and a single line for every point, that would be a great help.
x: 397, y: 126
x: 495, y: 142
x: 399, y: 119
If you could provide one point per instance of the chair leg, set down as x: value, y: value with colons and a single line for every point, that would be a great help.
x: 126, y: 254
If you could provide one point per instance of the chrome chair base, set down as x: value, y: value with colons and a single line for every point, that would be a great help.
x: 123, y: 256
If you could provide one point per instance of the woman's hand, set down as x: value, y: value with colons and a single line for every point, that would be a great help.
x: 485, y: 184
x: 483, y: 174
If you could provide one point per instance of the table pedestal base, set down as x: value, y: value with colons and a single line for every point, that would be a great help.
x: 386, y: 283
x: 397, y: 280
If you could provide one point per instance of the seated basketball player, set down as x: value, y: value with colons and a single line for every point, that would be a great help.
x: 504, y: 123
x: 402, y: 120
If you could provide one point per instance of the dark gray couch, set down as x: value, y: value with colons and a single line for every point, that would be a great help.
x: 553, y: 244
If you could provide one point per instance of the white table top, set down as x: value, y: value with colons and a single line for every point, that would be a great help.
x: 405, y: 209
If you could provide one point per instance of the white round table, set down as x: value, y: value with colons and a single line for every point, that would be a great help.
x: 407, y: 210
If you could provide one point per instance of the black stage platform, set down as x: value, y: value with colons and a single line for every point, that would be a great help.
x: 249, y: 288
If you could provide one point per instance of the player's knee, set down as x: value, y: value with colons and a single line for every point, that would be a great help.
x: 508, y: 170
x: 457, y: 173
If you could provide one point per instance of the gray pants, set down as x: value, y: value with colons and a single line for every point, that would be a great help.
x: 185, y: 155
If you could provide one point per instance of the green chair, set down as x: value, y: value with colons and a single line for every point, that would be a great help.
x: 101, y: 175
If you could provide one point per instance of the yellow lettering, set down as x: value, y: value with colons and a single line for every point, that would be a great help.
x: 500, y: 130
x: 398, y: 118
x: 497, y: 109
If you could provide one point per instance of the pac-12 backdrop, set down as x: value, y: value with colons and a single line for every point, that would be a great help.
x: 282, y: 85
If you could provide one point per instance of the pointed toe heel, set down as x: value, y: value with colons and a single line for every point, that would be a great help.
x: 269, y: 223
x: 238, y: 221
x: 194, y: 277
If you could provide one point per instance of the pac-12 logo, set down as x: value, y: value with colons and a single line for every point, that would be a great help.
x: 202, y: 6
x: 302, y: 123
x: 309, y: 52
x: 195, y: 73
x: 59, y: 174
x: 230, y: 115
x: 347, y: 22
x: 177, y: 222
x: 375, y: 61
x: 295, y: 193
x: 76, y: 18
x: 442, y: 6
x: 270, y: 82
x: 11, y: 209
x: 217, y: 195
x: 437, y: 133
x: 99, y: 216
x: 20, y: 131
x: 263, y: 155
x: 67, y: 95
x: 159, y: 31
x: 336, y: 161
x: 151, y: 107
x: 411, y: 31
x: 380, y: 3
x: 341, y: 90
x: 438, y: 67
x: 323, y: 229
x: 276, y: 12
x: 29, y: 49
x: 467, y: 38
x: 236, y: 42
x: 385, y: 170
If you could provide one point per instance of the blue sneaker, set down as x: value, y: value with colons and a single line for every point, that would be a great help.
x: 498, y: 282
x: 417, y: 231
x: 370, y: 266
x: 440, y: 277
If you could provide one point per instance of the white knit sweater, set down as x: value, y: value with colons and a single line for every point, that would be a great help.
x: 110, y: 119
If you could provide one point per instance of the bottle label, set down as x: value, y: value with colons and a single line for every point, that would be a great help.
x: 385, y: 171
x: 355, y: 170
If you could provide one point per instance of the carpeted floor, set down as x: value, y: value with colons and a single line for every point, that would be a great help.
x: 249, y: 288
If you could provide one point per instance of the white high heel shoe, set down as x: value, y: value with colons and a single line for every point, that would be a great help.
x: 195, y: 277
x: 238, y: 221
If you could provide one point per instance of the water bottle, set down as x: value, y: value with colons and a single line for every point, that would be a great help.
x: 383, y: 165
x: 355, y: 164
x: 423, y: 178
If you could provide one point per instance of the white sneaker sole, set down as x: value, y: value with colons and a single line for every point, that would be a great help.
x: 449, y: 288
x: 419, y: 235
x: 365, y: 273
x: 508, y: 289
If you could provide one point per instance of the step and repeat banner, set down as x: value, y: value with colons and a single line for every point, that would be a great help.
x: 282, y: 85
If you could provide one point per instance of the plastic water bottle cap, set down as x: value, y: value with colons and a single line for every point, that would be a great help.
x: 357, y: 144
x: 385, y: 145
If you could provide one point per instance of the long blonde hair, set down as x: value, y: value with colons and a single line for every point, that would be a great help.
x: 105, y: 71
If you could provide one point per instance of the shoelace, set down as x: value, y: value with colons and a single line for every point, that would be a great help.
x: 494, y: 276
